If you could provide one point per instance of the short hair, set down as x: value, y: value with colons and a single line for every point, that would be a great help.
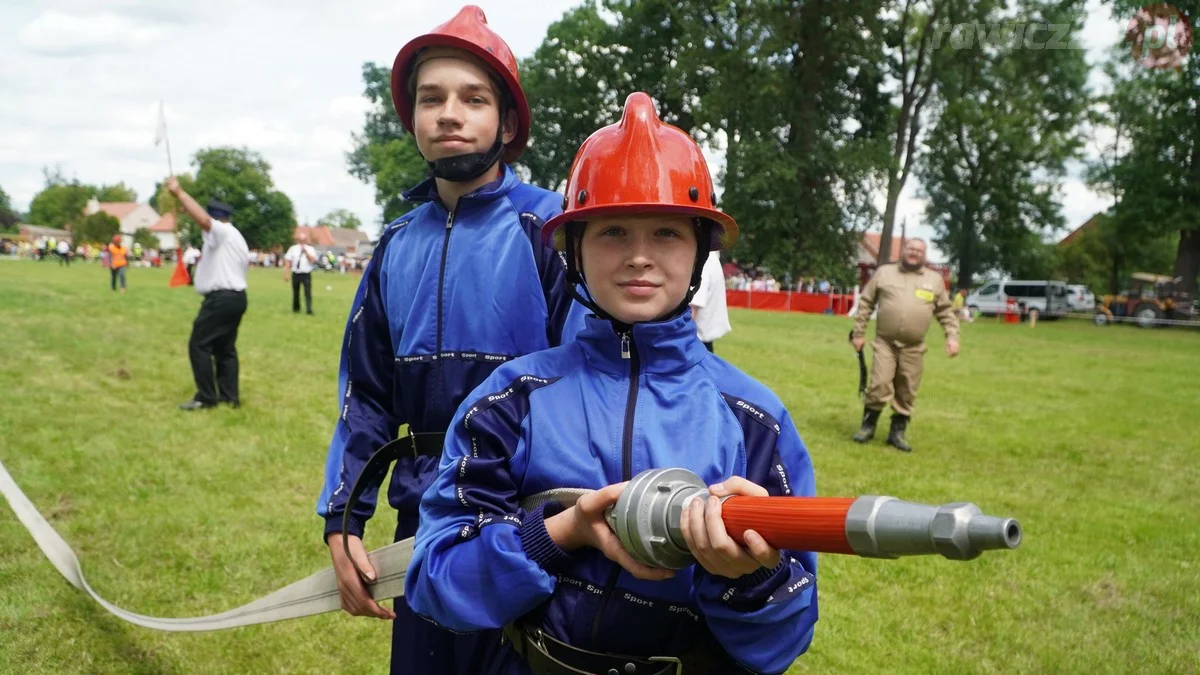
x: 504, y: 97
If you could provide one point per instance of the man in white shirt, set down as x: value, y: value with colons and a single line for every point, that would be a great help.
x: 221, y: 279
x: 298, y: 262
x: 708, y: 305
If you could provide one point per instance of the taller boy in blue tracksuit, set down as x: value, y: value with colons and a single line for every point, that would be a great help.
x: 636, y: 390
x: 455, y: 288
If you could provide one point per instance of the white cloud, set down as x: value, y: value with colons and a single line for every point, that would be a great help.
x: 56, y: 33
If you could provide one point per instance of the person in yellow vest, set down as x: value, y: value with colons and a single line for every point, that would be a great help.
x: 908, y: 296
x: 960, y: 309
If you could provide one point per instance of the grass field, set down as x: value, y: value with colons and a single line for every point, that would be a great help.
x: 1089, y: 436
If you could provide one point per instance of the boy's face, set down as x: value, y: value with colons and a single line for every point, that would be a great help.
x: 457, y: 108
x: 638, y: 269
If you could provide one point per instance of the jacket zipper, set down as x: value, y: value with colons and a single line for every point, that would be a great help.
x: 628, y: 351
x: 441, y: 288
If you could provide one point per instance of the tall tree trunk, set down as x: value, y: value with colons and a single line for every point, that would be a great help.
x: 1187, y: 261
x: 913, y: 95
x: 966, y: 258
x: 889, y: 217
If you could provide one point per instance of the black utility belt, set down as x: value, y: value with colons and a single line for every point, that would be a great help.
x: 371, y: 476
x: 548, y: 656
x: 415, y: 444
x: 224, y: 291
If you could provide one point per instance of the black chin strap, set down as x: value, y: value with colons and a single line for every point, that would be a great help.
x: 583, y: 295
x: 467, y: 167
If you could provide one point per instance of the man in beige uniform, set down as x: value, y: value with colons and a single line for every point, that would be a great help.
x: 908, y: 296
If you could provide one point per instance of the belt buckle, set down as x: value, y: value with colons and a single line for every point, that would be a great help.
x: 669, y: 659
x: 535, y: 638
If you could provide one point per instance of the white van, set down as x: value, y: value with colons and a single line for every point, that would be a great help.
x: 1046, y: 299
x: 1080, y: 298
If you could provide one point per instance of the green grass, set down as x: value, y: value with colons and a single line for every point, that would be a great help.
x: 1087, y: 435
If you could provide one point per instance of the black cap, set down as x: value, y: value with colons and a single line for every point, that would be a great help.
x: 218, y: 209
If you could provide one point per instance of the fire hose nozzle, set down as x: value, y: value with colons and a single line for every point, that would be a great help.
x: 886, y: 527
x: 646, y: 519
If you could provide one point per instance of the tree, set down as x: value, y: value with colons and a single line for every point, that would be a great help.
x: 772, y: 86
x: 8, y: 218
x: 1008, y: 125
x: 384, y: 153
x: 1156, y: 176
x: 572, y: 82
x: 241, y: 178
x: 796, y: 90
x: 1101, y: 259
x: 116, y: 193
x: 61, y: 202
x: 97, y: 228
x: 340, y: 218
x: 915, y: 63
x: 145, y: 237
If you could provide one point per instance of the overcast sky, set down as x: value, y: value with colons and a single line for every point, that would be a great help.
x: 80, y: 82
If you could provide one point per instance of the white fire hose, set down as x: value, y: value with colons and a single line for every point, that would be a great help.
x: 646, y: 519
x: 315, y: 594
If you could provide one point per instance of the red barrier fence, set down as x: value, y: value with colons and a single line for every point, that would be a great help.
x: 789, y: 301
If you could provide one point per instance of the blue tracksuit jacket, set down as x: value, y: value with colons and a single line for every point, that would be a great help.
x: 445, y: 299
x: 582, y: 415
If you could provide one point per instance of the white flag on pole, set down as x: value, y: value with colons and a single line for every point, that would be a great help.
x: 160, y: 134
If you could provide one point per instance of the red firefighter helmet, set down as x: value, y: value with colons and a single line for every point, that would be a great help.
x: 641, y: 166
x: 468, y: 31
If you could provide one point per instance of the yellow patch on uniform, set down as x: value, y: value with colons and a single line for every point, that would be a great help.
x: 925, y: 295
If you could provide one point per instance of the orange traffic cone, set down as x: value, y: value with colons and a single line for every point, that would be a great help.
x: 180, y: 277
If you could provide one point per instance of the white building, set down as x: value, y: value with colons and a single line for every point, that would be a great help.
x: 133, y: 217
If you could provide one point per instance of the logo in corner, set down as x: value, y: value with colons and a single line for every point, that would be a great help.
x: 1159, y: 36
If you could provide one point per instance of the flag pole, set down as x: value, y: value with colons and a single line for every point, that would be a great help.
x: 170, y: 169
x: 162, y: 131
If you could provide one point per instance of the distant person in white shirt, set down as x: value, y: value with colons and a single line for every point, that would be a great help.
x: 190, y: 257
x: 298, y: 262
x: 64, y: 253
x: 221, y: 279
x: 708, y: 305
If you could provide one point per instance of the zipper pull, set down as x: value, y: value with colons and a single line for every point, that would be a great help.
x: 624, y: 345
x: 449, y: 219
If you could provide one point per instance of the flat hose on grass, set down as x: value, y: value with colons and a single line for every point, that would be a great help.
x: 646, y: 518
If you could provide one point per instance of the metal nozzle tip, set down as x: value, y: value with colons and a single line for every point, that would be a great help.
x: 1012, y: 533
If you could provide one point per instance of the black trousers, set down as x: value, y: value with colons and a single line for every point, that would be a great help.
x: 214, y: 343
x: 304, y: 280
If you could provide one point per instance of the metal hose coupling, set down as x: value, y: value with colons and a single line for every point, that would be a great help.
x: 646, y: 519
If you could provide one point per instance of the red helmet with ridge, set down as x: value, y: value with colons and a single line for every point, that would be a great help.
x: 468, y: 31
x: 637, y: 167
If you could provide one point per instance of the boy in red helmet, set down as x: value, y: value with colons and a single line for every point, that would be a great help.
x: 456, y: 287
x: 636, y: 390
